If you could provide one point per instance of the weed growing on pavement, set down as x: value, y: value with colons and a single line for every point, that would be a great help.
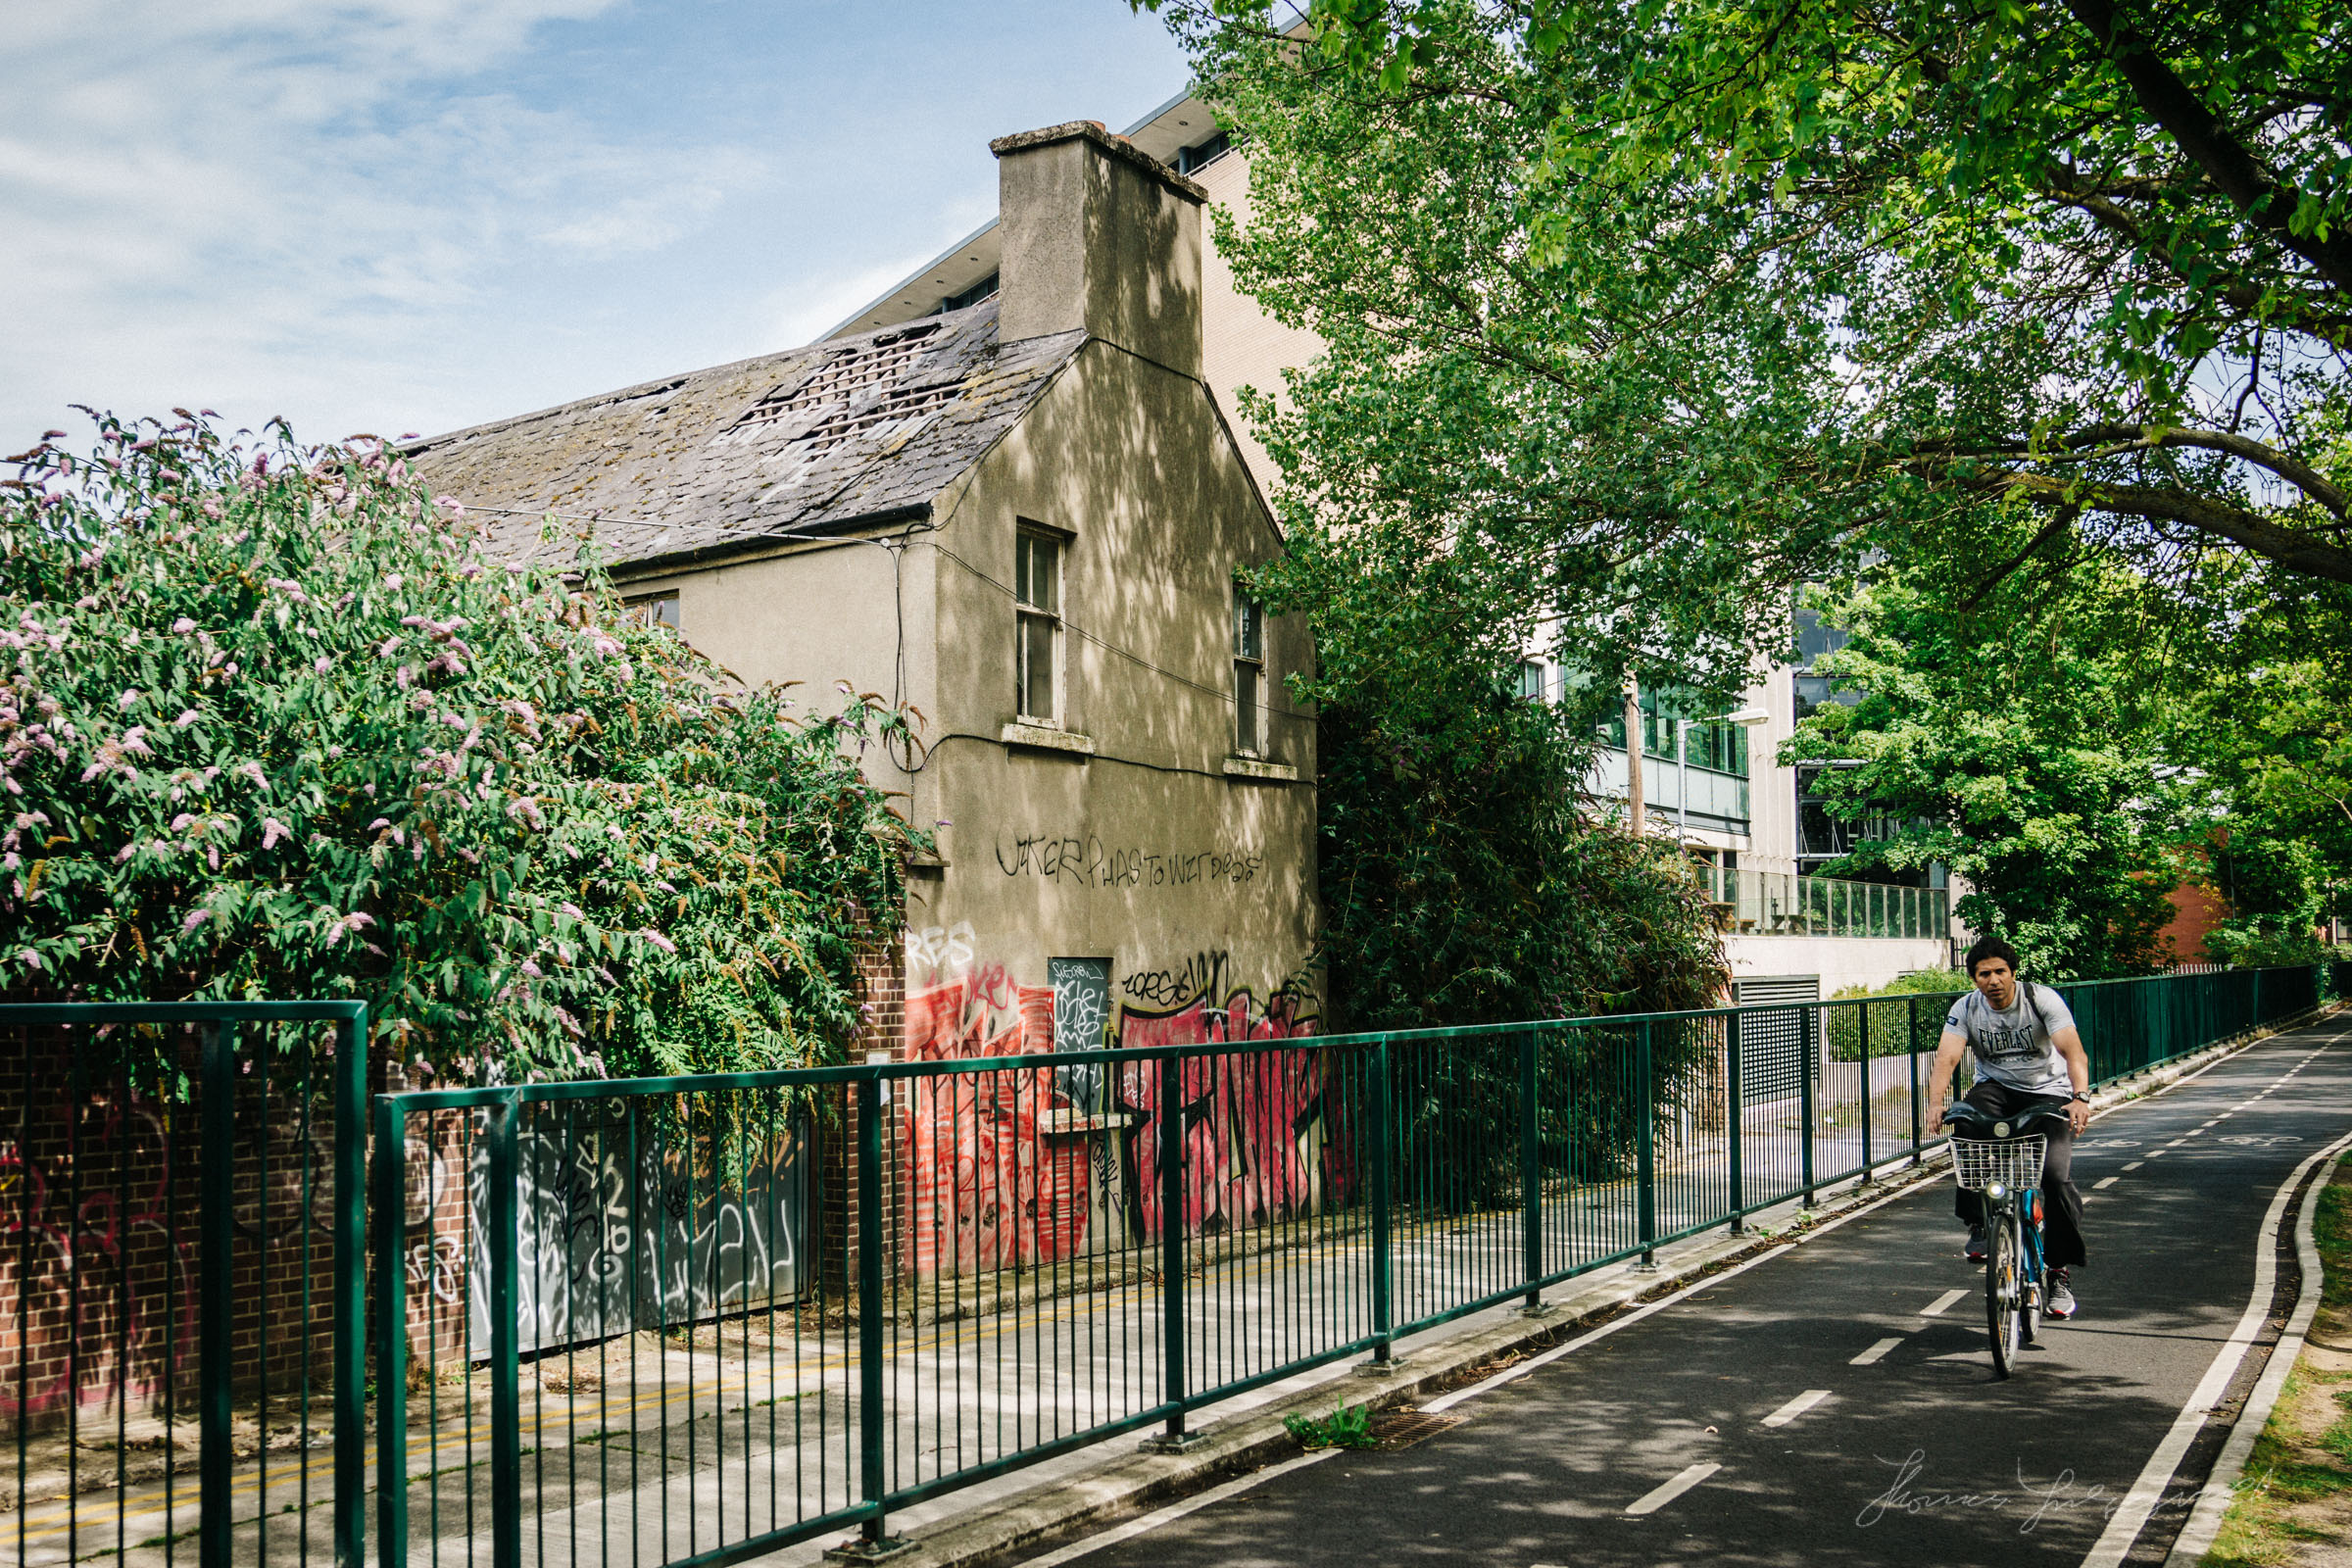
x: 1349, y: 1427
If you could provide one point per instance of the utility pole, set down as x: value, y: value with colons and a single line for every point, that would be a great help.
x: 1633, y: 755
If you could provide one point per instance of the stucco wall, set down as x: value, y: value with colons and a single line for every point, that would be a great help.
x: 1197, y: 886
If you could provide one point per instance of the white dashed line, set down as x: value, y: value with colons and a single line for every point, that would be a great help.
x: 1796, y: 1407
x: 2104, y: 1182
x: 1935, y: 1308
x: 1870, y: 1358
x: 2135, y: 1165
x: 1653, y: 1501
x: 2157, y: 1153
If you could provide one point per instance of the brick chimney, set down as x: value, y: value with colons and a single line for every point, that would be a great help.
x: 1099, y: 235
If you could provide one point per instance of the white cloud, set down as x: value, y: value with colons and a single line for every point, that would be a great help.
x: 257, y: 202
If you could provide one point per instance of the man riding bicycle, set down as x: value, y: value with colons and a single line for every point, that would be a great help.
x: 2027, y: 1050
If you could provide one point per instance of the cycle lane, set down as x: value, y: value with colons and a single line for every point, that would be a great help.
x: 1876, y: 1451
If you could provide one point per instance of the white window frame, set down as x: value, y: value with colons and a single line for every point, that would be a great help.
x: 1248, y: 674
x: 653, y: 609
x: 1038, y: 625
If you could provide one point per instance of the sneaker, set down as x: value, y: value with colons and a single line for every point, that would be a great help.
x: 2061, y: 1303
x: 1975, y: 1244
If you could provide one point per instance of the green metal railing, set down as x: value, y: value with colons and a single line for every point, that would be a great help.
x: 1038, y: 1252
x: 182, y: 1234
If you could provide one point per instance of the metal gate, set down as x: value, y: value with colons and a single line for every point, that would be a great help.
x: 1773, y: 1042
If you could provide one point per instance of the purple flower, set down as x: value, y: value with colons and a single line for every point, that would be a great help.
x: 196, y: 917
x: 272, y: 830
x: 184, y: 719
x: 128, y: 699
x: 183, y: 627
x: 660, y: 940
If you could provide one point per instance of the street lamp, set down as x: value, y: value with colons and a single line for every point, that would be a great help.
x: 1745, y: 718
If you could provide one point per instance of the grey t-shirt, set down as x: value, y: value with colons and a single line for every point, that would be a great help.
x: 2014, y: 1047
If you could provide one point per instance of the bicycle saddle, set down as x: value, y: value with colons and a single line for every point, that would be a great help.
x: 1974, y: 1121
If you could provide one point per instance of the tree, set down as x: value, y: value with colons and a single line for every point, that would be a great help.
x: 1651, y: 309
x: 274, y: 724
x: 2019, y: 748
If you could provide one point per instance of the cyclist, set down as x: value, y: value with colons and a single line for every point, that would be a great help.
x: 2027, y: 1050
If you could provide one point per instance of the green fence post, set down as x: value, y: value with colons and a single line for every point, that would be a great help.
x: 1863, y: 1008
x: 1808, y: 1065
x: 1531, y: 1175
x: 1646, y: 1170
x: 506, y: 1337
x: 351, y: 1288
x: 1380, y: 1202
x: 391, y: 1335
x: 873, y: 1479
x: 1738, y: 1117
x: 216, y: 1277
x: 1171, y: 1247
x: 1911, y: 1048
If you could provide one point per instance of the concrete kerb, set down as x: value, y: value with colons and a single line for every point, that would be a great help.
x: 1128, y: 1483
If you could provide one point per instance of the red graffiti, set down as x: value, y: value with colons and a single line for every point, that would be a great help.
x: 97, y: 1296
x: 987, y: 1191
x: 1261, y: 1131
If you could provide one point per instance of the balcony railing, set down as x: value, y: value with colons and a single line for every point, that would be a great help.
x: 1778, y: 904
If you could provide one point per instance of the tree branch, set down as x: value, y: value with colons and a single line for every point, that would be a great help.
x: 2291, y: 548
x: 2233, y: 169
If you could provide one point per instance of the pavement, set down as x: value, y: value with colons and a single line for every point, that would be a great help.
x: 1834, y: 1402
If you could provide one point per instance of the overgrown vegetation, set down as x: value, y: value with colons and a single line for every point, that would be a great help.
x: 1464, y: 878
x: 273, y: 723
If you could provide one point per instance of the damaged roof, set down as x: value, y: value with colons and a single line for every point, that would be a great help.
x: 813, y: 440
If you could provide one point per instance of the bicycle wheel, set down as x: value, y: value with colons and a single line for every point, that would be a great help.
x: 2003, y: 1288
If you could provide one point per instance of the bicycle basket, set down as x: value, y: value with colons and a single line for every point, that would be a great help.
x: 2014, y: 1163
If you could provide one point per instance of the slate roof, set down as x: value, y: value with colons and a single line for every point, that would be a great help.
x: 812, y: 440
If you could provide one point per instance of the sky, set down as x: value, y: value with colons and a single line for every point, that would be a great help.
x: 409, y: 215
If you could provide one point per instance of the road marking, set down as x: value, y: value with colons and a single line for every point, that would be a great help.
x: 1796, y: 1407
x: 1935, y: 1308
x: 2104, y: 1182
x: 1870, y: 1358
x: 1658, y: 1498
x: 2124, y: 1525
x: 2135, y: 1165
x: 2156, y: 1153
x: 2174, y: 1143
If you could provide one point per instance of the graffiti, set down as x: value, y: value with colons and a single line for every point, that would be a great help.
x: 1203, y: 976
x: 1081, y: 1016
x: 1024, y: 1166
x: 932, y: 949
x: 605, y: 1246
x: 97, y: 1293
x: 1086, y: 862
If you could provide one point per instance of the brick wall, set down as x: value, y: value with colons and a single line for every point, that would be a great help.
x: 882, y: 985
x: 102, y: 1237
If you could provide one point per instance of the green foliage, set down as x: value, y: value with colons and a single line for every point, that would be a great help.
x: 274, y: 724
x: 1753, y: 286
x: 2014, y: 748
x: 1461, y: 884
x: 1349, y: 1427
x: 1922, y: 982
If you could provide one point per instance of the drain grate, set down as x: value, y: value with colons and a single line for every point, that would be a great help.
x: 1402, y: 1429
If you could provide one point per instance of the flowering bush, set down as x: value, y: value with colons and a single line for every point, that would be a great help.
x: 274, y: 723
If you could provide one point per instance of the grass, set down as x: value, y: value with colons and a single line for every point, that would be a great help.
x: 1349, y: 1427
x: 2297, y: 1487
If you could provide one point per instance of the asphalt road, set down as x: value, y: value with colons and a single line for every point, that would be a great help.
x: 1844, y: 1420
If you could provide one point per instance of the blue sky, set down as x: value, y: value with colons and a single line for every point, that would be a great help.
x: 400, y: 215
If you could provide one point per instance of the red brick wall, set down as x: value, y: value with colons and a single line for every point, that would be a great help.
x: 102, y: 1240
x: 2196, y: 910
x: 882, y: 1007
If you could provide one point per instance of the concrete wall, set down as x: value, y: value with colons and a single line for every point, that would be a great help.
x: 1840, y: 961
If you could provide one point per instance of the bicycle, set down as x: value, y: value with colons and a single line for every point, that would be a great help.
x: 1999, y: 1158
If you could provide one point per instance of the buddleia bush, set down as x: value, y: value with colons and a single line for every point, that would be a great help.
x: 275, y: 723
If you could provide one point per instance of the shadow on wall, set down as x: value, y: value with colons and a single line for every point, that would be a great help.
x: 1019, y: 1168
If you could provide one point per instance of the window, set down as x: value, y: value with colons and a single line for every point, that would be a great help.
x: 1531, y: 680
x: 1037, y: 656
x: 1201, y: 154
x: 1248, y: 674
x: 652, y: 609
x: 979, y: 292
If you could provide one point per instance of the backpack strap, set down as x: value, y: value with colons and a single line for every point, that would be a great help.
x: 2039, y: 1016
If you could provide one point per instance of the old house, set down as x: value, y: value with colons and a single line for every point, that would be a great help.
x: 1022, y: 517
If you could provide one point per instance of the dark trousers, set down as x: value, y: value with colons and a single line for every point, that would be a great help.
x: 2061, y: 1203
